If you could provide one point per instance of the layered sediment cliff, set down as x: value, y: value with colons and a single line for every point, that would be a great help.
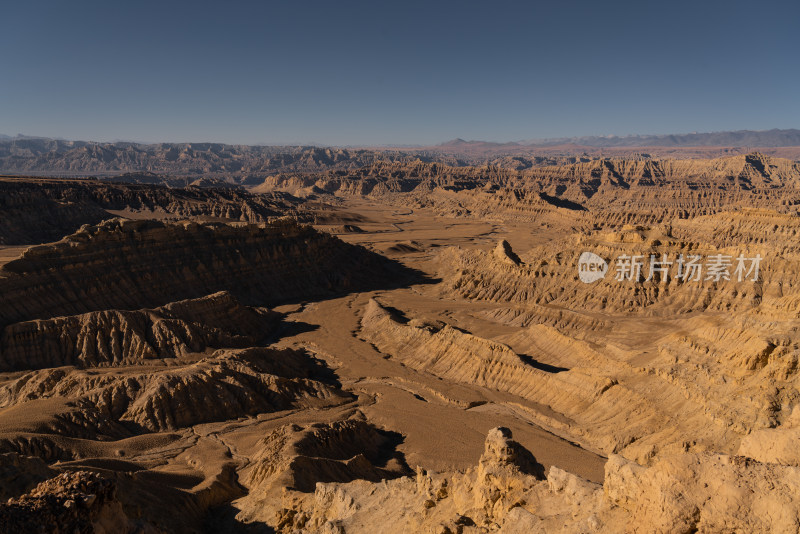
x: 133, y: 264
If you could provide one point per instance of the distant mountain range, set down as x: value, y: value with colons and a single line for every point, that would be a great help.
x: 765, y: 138
x: 739, y: 138
x: 249, y: 164
x: 240, y: 163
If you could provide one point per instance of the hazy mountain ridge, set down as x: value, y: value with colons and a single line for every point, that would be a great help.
x: 250, y: 164
x: 51, y: 156
x: 760, y: 138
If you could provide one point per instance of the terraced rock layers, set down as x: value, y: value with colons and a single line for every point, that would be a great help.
x: 38, y: 210
x: 117, y: 337
x: 133, y: 264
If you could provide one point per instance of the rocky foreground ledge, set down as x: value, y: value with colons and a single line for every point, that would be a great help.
x: 508, y: 492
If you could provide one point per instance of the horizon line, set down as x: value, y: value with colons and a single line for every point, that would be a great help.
x: 532, y: 142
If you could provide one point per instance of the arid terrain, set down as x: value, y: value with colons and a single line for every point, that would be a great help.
x: 225, y: 339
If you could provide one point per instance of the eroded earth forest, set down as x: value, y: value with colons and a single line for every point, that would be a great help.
x: 212, y: 338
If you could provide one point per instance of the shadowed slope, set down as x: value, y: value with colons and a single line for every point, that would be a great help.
x: 134, y: 264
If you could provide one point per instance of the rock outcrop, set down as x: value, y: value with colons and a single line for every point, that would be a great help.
x: 295, y: 459
x: 20, y: 474
x: 705, y: 493
x: 682, y: 494
x: 71, y: 502
x: 478, y: 500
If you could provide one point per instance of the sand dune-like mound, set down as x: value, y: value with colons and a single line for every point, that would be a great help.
x: 227, y: 385
x: 345, y: 229
x: 297, y: 458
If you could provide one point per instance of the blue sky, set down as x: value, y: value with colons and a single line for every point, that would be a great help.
x: 368, y: 73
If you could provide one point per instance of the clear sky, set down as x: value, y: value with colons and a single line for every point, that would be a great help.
x: 374, y: 72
